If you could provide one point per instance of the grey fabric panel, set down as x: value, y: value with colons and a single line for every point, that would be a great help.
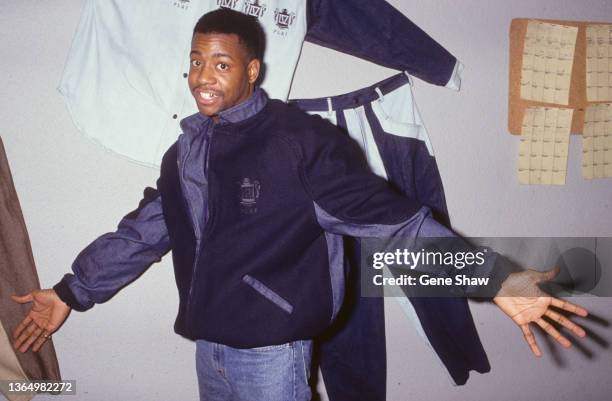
x: 10, y: 369
x: 268, y: 293
x: 18, y: 276
x: 335, y: 255
x: 408, y: 228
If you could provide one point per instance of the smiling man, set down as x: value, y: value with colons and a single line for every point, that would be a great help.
x: 253, y: 200
x: 224, y: 67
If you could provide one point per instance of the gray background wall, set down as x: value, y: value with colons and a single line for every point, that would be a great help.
x: 71, y: 191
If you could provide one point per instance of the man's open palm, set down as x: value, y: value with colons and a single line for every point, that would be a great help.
x: 46, y: 316
x: 522, y: 300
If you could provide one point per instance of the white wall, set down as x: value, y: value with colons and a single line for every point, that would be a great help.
x: 71, y: 191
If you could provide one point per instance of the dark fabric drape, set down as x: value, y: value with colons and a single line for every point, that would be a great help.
x: 18, y: 276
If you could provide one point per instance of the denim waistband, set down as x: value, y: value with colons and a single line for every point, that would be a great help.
x: 353, y: 99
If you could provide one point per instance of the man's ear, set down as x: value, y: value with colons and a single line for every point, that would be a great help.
x: 253, y: 70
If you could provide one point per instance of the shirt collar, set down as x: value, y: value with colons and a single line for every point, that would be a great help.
x: 242, y: 111
x: 246, y: 109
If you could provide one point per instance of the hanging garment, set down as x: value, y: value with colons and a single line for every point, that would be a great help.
x: 384, y: 120
x: 10, y: 368
x: 17, y: 277
x: 129, y: 60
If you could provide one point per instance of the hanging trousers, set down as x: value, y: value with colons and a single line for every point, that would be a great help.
x: 385, y: 121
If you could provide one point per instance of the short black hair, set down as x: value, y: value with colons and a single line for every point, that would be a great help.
x: 248, y: 29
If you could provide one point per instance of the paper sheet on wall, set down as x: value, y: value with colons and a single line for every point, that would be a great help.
x: 599, y: 63
x: 597, y: 142
x: 544, y: 145
x: 548, y: 56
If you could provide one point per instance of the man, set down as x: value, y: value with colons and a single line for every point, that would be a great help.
x: 253, y: 200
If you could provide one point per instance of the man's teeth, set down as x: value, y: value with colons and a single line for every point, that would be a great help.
x: 207, y: 95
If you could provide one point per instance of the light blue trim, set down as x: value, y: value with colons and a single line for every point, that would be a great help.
x: 268, y: 293
x: 335, y: 255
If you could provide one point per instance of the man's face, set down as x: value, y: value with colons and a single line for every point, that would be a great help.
x: 221, y: 74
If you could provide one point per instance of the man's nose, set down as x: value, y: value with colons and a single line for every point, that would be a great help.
x: 207, y: 75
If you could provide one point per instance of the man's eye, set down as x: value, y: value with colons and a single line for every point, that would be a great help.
x: 222, y: 66
x: 195, y: 63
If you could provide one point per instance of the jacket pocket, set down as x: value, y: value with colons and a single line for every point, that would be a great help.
x: 269, y: 294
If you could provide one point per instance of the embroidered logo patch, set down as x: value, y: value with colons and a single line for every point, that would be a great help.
x: 254, y: 8
x: 283, y: 18
x: 227, y: 3
x: 249, y: 193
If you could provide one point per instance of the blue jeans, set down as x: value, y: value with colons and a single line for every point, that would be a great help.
x: 272, y: 373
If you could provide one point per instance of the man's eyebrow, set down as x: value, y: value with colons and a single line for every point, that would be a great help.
x: 219, y: 55
x: 216, y: 55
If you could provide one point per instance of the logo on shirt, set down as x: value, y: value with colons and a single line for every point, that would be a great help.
x: 249, y: 193
x: 283, y: 18
x: 182, y: 4
x: 254, y: 8
x: 227, y: 3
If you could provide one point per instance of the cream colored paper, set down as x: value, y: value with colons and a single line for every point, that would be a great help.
x: 548, y: 56
x: 10, y: 369
x: 597, y: 142
x: 544, y: 145
x: 599, y: 63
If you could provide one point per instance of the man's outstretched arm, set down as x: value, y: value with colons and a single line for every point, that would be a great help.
x: 350, y: 200
x: 104, y: 267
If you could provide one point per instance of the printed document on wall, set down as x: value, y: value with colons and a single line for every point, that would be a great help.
x: 599, y: 63
x: 544, y: 145
x: 548, y: 56
x: 597, y: 142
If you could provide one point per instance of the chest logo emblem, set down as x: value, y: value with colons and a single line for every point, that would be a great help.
x: 249, y: 193
x: 227, y: 3
x: 283, y: 18
x: 254, y: 8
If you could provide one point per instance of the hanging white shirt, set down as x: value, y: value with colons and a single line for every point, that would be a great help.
x: 125, y: 79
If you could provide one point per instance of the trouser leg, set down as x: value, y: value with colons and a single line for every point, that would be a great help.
x: 353, y: 357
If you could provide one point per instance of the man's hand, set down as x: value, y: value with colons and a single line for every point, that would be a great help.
x: 522, y: 300
x: 46, y: 316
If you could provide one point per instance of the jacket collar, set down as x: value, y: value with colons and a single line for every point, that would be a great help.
x: 240, y: 112
x: 246, y: 109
